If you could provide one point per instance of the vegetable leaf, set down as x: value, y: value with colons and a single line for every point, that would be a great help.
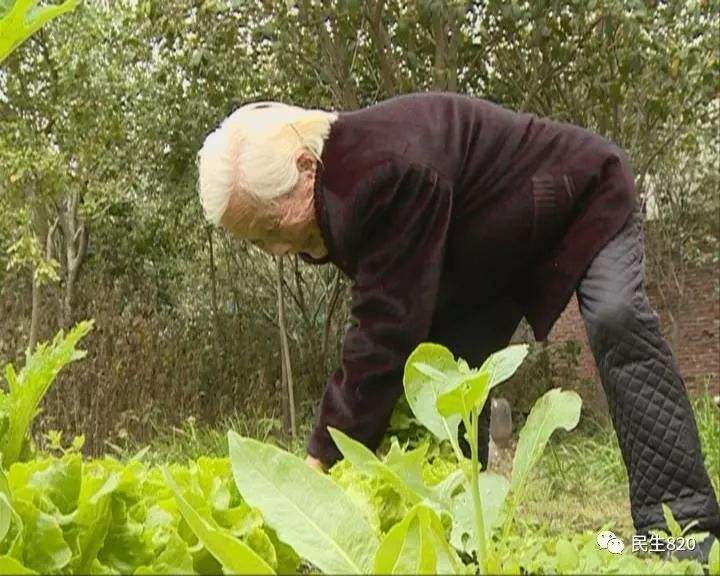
x: 471, y: 393
x: 555, y: 409
x: 306, y: 508
x: 714, y: 558
x: 430, y: 371
x: 503, y: 364
x: 11, y: 566
x: 417, y: 545
x: 28, y: 388
x: 235, y: 556
x: 493, y: 490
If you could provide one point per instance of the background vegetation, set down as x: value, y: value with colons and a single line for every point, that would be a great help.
x: 102, y: 114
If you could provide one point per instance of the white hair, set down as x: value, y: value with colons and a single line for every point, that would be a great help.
x: 255, y: 150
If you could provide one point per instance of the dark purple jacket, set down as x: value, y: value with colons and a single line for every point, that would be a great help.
x: 440, y: 197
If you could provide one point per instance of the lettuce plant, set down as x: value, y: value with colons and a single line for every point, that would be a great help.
x: 263, y: 510
x: 235, y: 556
x: 307, y: 509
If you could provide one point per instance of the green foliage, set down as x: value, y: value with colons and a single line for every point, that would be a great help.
x: 417, y: 545
x: 263, y: 510
x: 71, y: 516
x: 306, y: 509
x: 401, y: 469
x: 235, y: 556
x: 556, y: 409
x: 430, y: 371
x: 20, y: 404
x: 707, y: 417
x: 493, y: 489
x: 20, y: 19
x: 463, y: 391
x: 26, y: 250
x: 714, y: 563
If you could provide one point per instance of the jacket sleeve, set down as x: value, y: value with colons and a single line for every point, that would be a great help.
x: 400, y: 257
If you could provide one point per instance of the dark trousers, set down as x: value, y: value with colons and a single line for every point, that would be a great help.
x: 647, y: 399
x: 648, y: 402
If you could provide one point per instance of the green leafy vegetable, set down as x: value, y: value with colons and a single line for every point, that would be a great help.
x: 430, y: 371
x: 493, y: 491
x: 403, y: 470
x: 555, y: 409
x: 45, y: 547
x: 93, y: 517
x: 26, y: 390
x: 306, y: 508
x: 714, y: 558
x: 472, y: 391
x: 10, y: 566
x: 503, y: 364
x: 5, y: 516
x: 235, y: 556
x: 417, y: 545
x: 264, y: 509
x: 174, y: 559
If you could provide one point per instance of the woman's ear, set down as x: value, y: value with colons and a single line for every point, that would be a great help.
x: 306, y: 162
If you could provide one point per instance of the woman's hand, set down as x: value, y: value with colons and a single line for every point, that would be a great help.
x: 315, y: 463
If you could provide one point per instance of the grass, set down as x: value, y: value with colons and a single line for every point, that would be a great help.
x: 189, y: 441
x: 707, y: 415
x: 581, y: 481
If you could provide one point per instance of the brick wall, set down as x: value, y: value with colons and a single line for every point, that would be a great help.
x: 696, y: 339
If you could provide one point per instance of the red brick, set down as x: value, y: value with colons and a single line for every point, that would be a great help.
x: 698, y: 342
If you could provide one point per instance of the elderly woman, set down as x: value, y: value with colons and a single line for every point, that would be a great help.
x: 455, y: 218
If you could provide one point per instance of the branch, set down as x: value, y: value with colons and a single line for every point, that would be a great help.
x: 381, y: 41
x: 555, y: 70
x: 49, y: 240
x: 344, y: 94
x: 440, y: 30
x: 75, y: 262
x: 285, y: 348
x: 330, y: 310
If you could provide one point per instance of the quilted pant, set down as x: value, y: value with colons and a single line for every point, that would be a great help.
x: 648, y: 402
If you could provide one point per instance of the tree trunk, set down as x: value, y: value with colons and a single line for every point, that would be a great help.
x: 37, y: 293
x: 217, y: 321
x: 75, y: 234
x: 389, y: 75
x: 35, y: 313
x: 330, y: 309
x: 285, y: 348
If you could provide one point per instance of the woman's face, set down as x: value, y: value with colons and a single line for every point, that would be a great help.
x: 273, y: 228
x: 284, y: 226
x: 273, y: 242
x: 258, y: 224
